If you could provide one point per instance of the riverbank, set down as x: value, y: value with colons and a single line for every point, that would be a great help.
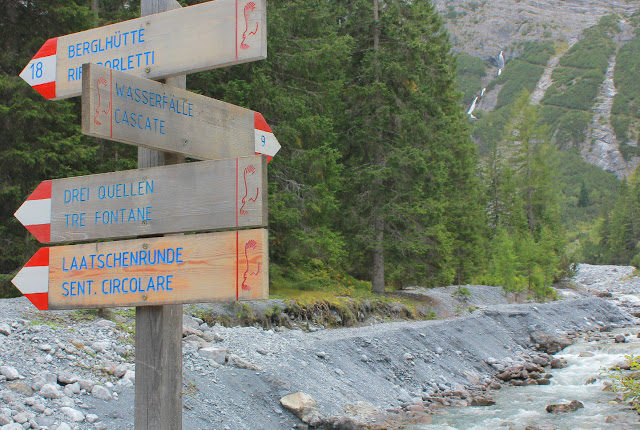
x: 64, y: 370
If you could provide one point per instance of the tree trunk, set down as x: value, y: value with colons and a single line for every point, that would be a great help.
x: 377, y: 278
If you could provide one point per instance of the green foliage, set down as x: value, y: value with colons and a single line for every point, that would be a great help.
x: 470, y: 71
x: 523, y: 199
x: 568, y: 102
x: 516, y: 77
x: 628, y: 383
x: 537, y: 53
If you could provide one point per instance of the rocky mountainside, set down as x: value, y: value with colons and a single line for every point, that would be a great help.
x: 485, y: 29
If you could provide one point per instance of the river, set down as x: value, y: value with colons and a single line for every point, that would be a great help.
x: 519, y: 407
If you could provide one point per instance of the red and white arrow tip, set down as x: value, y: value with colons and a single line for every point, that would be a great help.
x: 33, y: 279
x: 266, y: 142
x: 40, y: 73
x: 35, y: 212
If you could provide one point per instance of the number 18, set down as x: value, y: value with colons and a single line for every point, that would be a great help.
x: 36, y: 70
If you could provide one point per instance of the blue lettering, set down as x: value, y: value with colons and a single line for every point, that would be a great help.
x: 119, y: 90
x: 103, y: 290
x: 100, y: 261
x: 179, y: 256
x: 151, y: 286
x: 169, y: 277
x: 66, y: 290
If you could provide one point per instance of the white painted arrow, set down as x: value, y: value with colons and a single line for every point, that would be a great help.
x: 33, y: 279
x: 35, y: 212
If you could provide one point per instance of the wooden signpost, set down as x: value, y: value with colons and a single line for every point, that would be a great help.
x: 206, y: 195
x: 159, y: 274
x: 209, y: 267
x: 119, y: 106
x: 186, y: 40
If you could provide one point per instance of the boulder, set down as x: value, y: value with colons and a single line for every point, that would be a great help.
x: 573, y: 406
x: 550, y: 343
x: 299, y: 403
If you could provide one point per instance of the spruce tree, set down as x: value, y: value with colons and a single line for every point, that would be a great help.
x: 408, y: 160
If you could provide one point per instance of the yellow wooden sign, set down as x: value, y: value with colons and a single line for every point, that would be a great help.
x: 211, y: 267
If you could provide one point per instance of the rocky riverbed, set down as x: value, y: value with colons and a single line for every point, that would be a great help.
x: 75, y: 370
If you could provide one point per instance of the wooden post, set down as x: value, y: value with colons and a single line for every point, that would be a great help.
x: 158, y: 393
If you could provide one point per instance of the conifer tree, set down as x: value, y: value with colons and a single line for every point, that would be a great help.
x: 408, y: 159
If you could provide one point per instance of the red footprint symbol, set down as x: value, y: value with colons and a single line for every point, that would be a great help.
x: 248, y: 8
x: 252, y: 244
x: 250, y: 169
x: 102, y: 82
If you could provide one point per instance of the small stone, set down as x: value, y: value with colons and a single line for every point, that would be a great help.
x: 301, y: 404
x: 4, y: 420
x: 100, y: 392
x: 100, y: 426
x: 215, y: 353
x: 91, y: 418
x: 100, y: 346
x: 14, y: 426
x: 64, y: 426
x: 591, y: 380
x: 5, y: 329
x: 573, y: 406
x: 73, y: 414
x: 10, y: 372
x: 129, y: 375
x: 408, y: 356
x: 49, y: 391
x: 86, y: 384
x: 21, y: 387
x: 620, y: 338
x: 65, y: 377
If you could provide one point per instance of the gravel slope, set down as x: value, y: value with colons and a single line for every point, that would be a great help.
x: 61, y: 370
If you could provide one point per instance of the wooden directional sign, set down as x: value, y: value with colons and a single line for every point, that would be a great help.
x: 200, y: 196
x: 200, y: 37
x: 209, y: 267
x: 139, y: 111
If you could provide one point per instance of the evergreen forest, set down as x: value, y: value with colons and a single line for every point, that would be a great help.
x: 380, y: 179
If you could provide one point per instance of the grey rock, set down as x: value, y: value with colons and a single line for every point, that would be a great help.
x: 86, y: 384
x: 49, y: 391
x: 73, y: 414
x: 4, y: 420
x: 102, y: 393
x: 5, y: 329
x: 91, y: 418
x: 10, y: 372
x: 66, y: 377
x: 100, y: 346
x: 12, y: 426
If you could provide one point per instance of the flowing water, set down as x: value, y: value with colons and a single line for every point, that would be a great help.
x: 518, y: 407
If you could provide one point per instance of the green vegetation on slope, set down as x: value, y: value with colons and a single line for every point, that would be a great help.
x: 567, y: 103
x: 469, y: 73
x: 625, y: 112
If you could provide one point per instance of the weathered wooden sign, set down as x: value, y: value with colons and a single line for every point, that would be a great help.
x: 209, y: 267
x: 186, y: 40
x: 206, y: 195
x: 119, y: 106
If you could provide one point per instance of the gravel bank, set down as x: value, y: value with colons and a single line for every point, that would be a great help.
x: 61, y: 370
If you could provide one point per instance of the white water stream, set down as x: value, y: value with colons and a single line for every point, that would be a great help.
x: 518, y: 407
